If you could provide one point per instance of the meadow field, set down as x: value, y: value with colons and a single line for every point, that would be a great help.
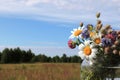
x: 40, y: 71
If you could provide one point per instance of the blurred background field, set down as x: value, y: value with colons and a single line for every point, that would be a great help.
x: 40, y: 71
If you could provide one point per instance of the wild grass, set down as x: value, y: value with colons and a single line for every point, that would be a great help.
x: 40, y: 71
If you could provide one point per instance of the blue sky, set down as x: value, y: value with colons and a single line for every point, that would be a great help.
x: 44, y: 25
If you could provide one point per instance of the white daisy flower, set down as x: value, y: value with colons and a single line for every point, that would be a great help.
x: 76, y: 32
x: 97, y: 39
x: 87, y: 50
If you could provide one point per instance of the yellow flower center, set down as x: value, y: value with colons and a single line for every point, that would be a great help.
x: 77, y: 33
x: 87, y: 50
x: 97, y: 40
x: 92, y: 34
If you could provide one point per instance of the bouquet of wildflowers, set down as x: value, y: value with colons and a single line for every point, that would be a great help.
x: 99, y: 45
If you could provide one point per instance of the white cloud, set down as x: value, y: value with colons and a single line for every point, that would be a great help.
x: 62, y: 10
x: 45, y: 43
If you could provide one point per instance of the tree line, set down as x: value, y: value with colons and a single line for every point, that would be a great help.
x: 16, y: 55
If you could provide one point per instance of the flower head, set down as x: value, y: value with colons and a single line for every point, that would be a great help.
x: 71, y: 44
x: 106, y: 42
x: 111, y: 37
x: 96, y: 43
x: 76, y: 32
x: 97, y: 39
x: 85, y: 34
x: 87, y: 50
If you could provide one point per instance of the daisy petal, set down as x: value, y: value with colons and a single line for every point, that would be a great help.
x: 82, y: 56
x: 81, y: 46
x: 71, y: 37
x: 74, y: 29
x: 72, y: 32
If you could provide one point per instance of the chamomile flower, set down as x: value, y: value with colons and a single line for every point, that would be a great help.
x: 76, y: 32
x: 87, y: 50
x: 92, y: 34
x: 97, y: 39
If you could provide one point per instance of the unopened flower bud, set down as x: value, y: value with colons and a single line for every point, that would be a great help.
x: 113, y: 46
x: 119, y: 36
x: 118, y: 32
x: 107, y: 27
x: 110, y: 31
x: 98, y: 21
x: 99, y: 26
x: 107, y: 50
x: 98, y: 15
x: 71, y: 44
x: 102, y: 35
x: 81, y: 24
x: 103, y: 31
x: 115, y: 51
x: 116, y: 43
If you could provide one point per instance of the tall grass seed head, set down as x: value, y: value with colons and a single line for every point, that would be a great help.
x: 109, y: 31
x: 107, y: 27
x: 98, y: 15
x: 98, y: 21
x: 98, y: 26
x: 81, y: 24
x: 103, y: 31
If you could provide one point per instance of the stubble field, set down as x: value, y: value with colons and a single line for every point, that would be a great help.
x: 40, y: 71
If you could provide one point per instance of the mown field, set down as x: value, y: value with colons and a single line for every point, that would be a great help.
x: 40, y: 71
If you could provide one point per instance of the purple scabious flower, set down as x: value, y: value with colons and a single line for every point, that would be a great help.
x: 106, y: 42
x: 85, y: 33
x: 111, y: 37
x: 114, y: 34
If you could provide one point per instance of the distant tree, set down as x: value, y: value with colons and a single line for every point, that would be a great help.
x: 23, y: 56
x: 35, y: 59
x: 27, y: 56
x: 16, y: 55
x: 0, y: 56
x: 75, y: 59
x: 69, y: 59
x: 56, y: 59
x: 64, y: 58
x: 5, y: 56
x: 49, y: 59
x: 42, y: 58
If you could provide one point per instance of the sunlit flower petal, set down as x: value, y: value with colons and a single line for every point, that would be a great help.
x: 81, y: 47
x: 82, y: 56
